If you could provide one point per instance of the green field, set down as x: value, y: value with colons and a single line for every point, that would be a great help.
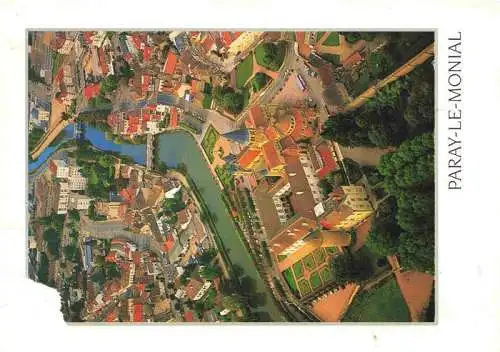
x: 309, y: 262
x: 326, y: 274
x: 298, y: 270
x: 304, y: 287
x: 207, y: 101
x: 333, y: 39
x: 383, y: 303
x: 288, y: 275
x: 276, y: 63
x: 208, y: 143
x: 244, y: 71
x: 319, y: 256
x: 315, y: 280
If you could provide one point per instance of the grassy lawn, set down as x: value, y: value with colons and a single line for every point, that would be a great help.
x: 277, y: 62
x: 224, y: 176
x: 288, y: 275
x: 309, y: 262
x: 304, y: 287
x: 281, y: 257
x: 208, y: 143
x: 332, y: 58
x: 315, y: 280
x: 245, y: 91
x: 298, y: 270
x: 326, y: 274
x: 244, y: 71
x: 383, y: 303
x: 333, y: 39
x: 320, y: 256
x: 56, y: 62
x: 331, y: 250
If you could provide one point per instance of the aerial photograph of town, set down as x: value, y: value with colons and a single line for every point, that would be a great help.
x: 227, y: 177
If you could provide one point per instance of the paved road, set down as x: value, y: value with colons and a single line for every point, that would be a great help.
x: 314, y: 89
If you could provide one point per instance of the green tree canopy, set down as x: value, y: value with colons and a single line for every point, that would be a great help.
x: 210, y: 272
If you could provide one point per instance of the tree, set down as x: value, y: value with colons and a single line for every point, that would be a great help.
x: 233, y: 302
x: 259, y: 81
x: 383, y: 238
x: 352, y: 169
x: 111, y: 271
x: 210, y: 272
x: 206, y: 257
x: 409, y: 178
x: 65, y: 116
x: 70, y: 252
x: 348, y: 268
x: 109, y: 84
x: 98, y: 277
x: 74, y: 215
x: 417, y: 251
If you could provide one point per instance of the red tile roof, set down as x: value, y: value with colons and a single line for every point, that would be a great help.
x: 92, y: 90
x: 207, y: 43
x: 304, y: 49
x: 137, y: 41
x: 128, y: 195
x: 111, y: 316
x: 192, y: 288
x: 329, y: 163
x: 227, y: 39
x: 138, y: 312
x: 352, y: 60
x: 59, y: 76
x: 147, y: 53
x: 256, y: 117
x: 173, y: 117
x: 271, y: 155
x: 188, y: 316
x: 170, y: 63
x: 102, y: 61
x: 247, y: 157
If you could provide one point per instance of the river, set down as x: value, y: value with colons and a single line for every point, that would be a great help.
x: 180, y: 147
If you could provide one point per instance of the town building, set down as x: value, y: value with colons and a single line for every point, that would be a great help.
x: 347, y: 207
x: 79, y: 201
x: 62, y: 200
x: 59, y: 168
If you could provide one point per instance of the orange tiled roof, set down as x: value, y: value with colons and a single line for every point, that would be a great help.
x: 247, y: 157
x: 170, y: 63
x: 301, y: 130
x: 332, y: 307
x: 271, y: 133
x: 329, y: 163
x: 173, y: 117
x: 271, y: 155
